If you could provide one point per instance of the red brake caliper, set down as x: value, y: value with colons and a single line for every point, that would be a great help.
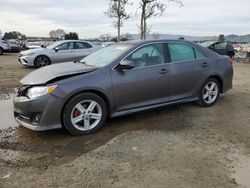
x: 76, y: 113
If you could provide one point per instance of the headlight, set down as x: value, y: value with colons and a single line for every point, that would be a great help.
x: 39, y: 91
x: 31, y: 53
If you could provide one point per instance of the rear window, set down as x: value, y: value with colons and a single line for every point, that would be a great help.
x: 184, y: 52
x: 220, y: 46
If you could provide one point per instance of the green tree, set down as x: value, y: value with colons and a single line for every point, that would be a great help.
x: 71, y: 36
x: 58, y: 34
x: 14, y: 35
x: 117, y: 9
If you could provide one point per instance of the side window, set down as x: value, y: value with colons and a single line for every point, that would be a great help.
x: 82, y: 45
x: 181, y: 52
x: 220, y: 46
x: 66, y: 46
x: 149, y: 55
x: 87, y: 45
x: 199, y: 55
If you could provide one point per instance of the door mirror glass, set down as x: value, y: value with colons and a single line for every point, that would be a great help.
x: 126, y: 64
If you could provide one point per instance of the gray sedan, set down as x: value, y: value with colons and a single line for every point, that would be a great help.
x: 62, y: 51
x: 118, y: 80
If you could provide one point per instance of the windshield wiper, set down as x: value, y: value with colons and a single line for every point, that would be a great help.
x: 83, y: 62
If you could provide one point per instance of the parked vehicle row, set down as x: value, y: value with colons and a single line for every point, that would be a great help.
x: 4, y: 46
x: 118, y: 80
x: 62, y: 51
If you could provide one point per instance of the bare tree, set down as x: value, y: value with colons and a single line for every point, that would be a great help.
x: 156, y: 35
x: 117, y: 9
x: 58, y: 34
x: 151, y: 8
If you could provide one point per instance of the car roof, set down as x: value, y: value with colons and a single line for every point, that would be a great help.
x: 140, y: 42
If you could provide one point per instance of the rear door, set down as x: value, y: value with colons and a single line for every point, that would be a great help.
x: 189, y: 67
x: 82, y: 49
x: 147, y: 83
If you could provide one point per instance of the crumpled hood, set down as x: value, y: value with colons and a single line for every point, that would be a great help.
x: 45, y: 74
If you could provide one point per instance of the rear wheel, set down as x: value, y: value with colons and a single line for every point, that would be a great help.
x: 1, y: 51
x: 209, y: 92
x: 84, y: 114
x: 41, y: 61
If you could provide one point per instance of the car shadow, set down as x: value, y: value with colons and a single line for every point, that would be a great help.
x: 64, y: 147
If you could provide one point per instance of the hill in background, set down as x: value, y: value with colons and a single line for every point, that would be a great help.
x: 232, y: 38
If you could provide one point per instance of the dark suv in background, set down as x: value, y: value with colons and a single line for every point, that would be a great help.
x: 222, y: 48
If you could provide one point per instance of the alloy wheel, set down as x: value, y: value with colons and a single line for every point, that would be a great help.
x: 86, y: 115
x: 42, y: 61
x: 210, y: 92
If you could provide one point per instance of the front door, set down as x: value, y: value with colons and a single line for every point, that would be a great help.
x: 63, y: 53
x: 147, y: 83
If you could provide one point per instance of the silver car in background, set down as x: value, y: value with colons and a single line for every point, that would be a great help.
x: 62, y: 51
x: 4, y: 46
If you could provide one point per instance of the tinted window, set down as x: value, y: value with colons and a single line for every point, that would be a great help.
x: 66, y: 46
x: 181, y: 52
x: 82, y: 45
x: 152, y: 54
x: 220, y: 46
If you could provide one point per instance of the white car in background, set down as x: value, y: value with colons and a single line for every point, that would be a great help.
x: 4, y: 46
x: 62, y: 51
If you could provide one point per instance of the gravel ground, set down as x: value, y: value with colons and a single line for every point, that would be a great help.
x: 178, y: 146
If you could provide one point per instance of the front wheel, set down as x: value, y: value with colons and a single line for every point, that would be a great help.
x: 209, y: 92
x: 84, y: 114
x: 41, y: 61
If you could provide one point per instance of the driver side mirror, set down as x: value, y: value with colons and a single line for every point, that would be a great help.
x: 125, y: 64
x: 56, y: 49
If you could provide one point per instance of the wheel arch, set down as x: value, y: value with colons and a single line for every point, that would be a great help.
x: 219, y: 79
x: 96, y: 92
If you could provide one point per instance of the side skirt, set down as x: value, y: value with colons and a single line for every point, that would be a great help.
x: 133, y: 110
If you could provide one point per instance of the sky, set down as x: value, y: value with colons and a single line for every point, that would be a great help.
x: 196, y: 17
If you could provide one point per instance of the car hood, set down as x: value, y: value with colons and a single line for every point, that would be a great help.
x: 37, y: 50
x: 45, y: 74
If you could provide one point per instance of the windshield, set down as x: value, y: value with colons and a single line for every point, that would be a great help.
x: 207, y: 44
x: 106, y: 55
x: 52, y: 46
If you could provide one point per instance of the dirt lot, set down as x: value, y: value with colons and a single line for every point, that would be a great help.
x: 177, y: 146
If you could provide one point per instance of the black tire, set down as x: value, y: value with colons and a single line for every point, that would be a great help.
x: 1, y: 51
x: 203, y: 102
x: 41, y: 61
x: 70, y: 106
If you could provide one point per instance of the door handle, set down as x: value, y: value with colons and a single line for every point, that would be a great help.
x: 205, y: 64
x: 163, y: 71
